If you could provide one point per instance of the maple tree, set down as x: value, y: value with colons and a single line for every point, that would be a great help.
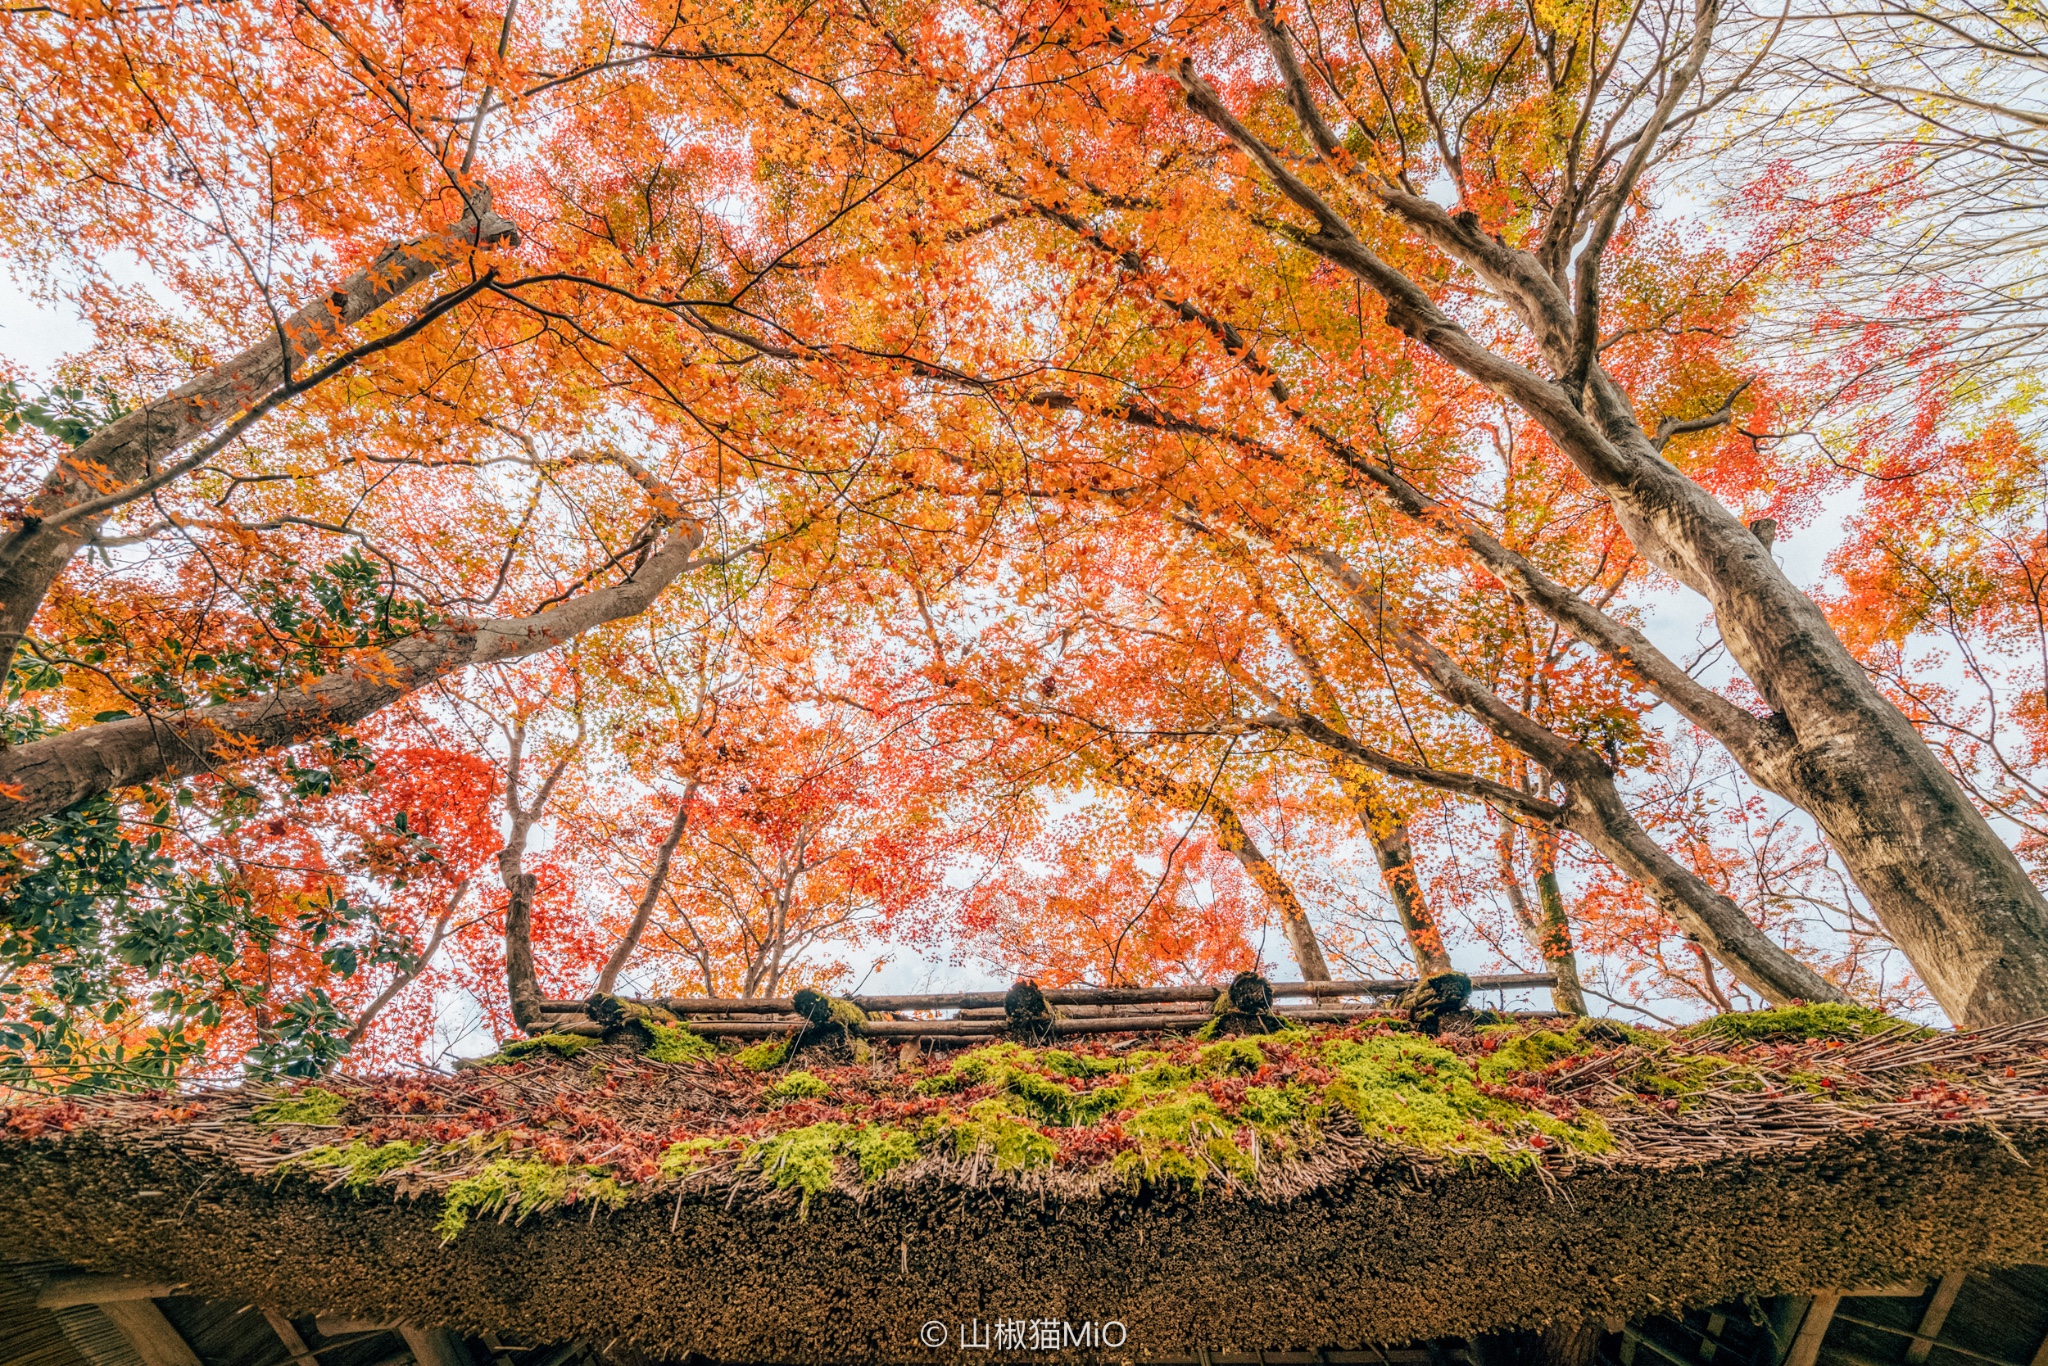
x: 1127, y: 148
x: 1124, y: 457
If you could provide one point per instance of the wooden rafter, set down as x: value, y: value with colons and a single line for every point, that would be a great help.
x: 1930, y: 1322
x: 149, y: 1332
x: 69, y: 1291
x: 289, y: 1335
x: 436, y: 1347
x: 1813, y: 1328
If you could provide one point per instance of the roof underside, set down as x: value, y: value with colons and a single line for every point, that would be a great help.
x: 1387, y: 1256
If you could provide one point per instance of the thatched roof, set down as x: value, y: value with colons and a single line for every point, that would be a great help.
x: 1333, y: 1187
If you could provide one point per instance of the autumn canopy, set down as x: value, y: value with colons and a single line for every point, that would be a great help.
x: 630, y: 496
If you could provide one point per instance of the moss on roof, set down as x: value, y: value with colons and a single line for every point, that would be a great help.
x: 1429, y: 1170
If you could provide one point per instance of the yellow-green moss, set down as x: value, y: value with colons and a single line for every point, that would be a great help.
x: 526, y: 1185
x: 678, y: 1043
x: 799, y: 1158
x: 1174, y: 1135
x: 688, y: 1157
x: 1404, y: 1089
x: 978, y: 1067
x: 360, y: 1162
x: 993, y: 1130
x: 881, y: 1149
x: 1012, y: 1067
x: 1237, y: 1055
x: 1279, y: 1108
x: 314, y: 1105
x: 766, y: 1055
x: 806, y: 1159
x: 1062, y: 1063
x: 794, y: 1087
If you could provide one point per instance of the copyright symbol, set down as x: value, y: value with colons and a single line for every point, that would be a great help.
x: 933, y: 1334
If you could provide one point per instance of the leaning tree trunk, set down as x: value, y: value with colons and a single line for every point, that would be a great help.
x: 1387, y: 831
x: 1294, y: 921
x: 131, y: 451
x: 1946, y: 888
x: 47, y: 775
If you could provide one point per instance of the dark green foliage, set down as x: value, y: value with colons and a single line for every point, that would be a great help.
x: 109, y: 913
x: 68, y: 412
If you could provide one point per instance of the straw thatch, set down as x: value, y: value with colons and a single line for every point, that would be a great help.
x: 1732, y: 1169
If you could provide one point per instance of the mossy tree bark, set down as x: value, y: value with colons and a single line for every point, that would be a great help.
x: 1544, y: 923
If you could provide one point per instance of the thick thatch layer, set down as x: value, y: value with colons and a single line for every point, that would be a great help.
x: 1784, y: 1166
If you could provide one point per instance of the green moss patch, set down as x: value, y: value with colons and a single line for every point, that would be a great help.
x: 766, y: 1055
x: 678, y: 1043
x: 358, y: 1163
x: 690, y: 1156
x: 523, y: 1186
x: 1828, y: 1020
x: 795, y: 1086
x: 314, y: 1105
x: 1411, y: 1091
x: 806, y: 1159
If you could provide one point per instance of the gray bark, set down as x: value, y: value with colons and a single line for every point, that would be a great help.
x: 656, y: 880
x: 1387, y: 832
x: 47, y: 775
x: 522, y: 980
x: 73, y: 501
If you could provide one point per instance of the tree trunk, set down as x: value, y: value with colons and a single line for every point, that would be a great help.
x: 1554, y: 927
x: 1946, y: 888
x: 1592, y: 807
x: 656, y: 880
x: 135, y: 446
x: 1387, y: 830
x: 522, y: 981
x: 1595, y: 812
x: 47, y: 775
x: 1294, y: 921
